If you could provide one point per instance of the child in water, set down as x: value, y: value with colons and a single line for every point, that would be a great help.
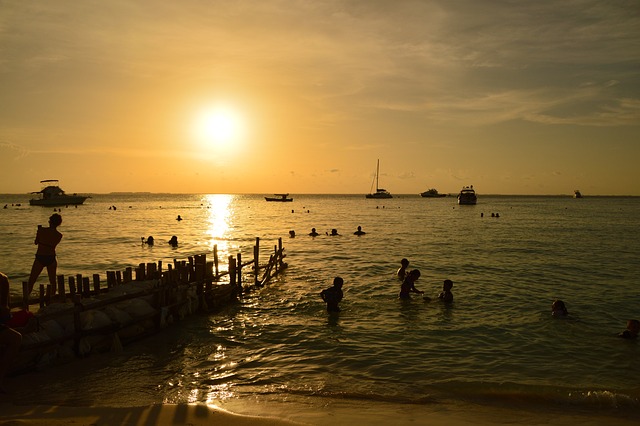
x: 633, y: 328
x: 558, y: 309
x: 333, y: 295
x: 409, y: 285
x: 402, y: 271
x: 446, y: 295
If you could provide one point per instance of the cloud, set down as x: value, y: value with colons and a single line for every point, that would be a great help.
x: 13, y: 151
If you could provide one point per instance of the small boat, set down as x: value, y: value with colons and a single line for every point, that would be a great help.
x: 279, y: 197
x: 577, y: 194
x: 467, y: 196
x: 380, y: 193
x: 432, y: 193
x: 52, y: 195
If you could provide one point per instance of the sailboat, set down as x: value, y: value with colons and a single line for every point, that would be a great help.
x: 380, y: 193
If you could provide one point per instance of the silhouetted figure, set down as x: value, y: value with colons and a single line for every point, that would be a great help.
x: 446, y: 295
x: 558, y: 309
x: 10, y: 339
x: 333, y: 295
x: 409, y: 285
x: 313, y: 232
x: 47, y: 239
x: 359, y: 231
x: 633, y: 328
x: 402, y: 271
x: 173, y: 242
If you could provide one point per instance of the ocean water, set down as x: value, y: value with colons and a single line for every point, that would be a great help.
x: 496, y: 345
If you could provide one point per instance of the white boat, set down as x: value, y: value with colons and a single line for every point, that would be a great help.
x: 577, y: 194
x: 52, y: 195
x: 279, y: 197
x: 380, y: 193
x: 467, y: 196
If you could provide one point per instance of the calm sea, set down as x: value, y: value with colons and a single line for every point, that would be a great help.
x: 496, y: 345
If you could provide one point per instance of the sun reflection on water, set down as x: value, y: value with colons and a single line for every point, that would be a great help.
x: 219, y: 220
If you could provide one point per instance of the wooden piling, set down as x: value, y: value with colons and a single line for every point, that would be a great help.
x: 25, y: 295
x: 96, y: 284
x: 215, y: 260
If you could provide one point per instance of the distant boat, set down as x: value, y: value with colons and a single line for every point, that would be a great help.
x: 52, y: 195
x: 577, y: 194
x: 432, y: 193
x: 467, y: 196
x: 279, y: 197
x: 380, y: 193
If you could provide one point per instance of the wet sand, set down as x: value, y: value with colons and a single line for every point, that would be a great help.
x: 165, y: 414
x: 337, y: 413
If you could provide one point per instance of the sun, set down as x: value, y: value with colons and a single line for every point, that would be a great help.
x: 219, y: 126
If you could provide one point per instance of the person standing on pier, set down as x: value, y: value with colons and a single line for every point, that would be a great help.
x: 46, y: 239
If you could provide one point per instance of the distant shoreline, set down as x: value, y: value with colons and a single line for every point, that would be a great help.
x: 409, y: 195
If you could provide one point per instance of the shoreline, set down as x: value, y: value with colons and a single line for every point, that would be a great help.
x: 290, y: 413
x: 157, y: 414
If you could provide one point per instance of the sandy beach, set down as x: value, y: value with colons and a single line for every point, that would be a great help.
x: 335, y: 414
x: 165, y: 414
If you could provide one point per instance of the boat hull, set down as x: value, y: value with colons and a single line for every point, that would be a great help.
x: 282, y: 200
x: 467, y: 197
x: 61, y: 201
x: 379, y: 196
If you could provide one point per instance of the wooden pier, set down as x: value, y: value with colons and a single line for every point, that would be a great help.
x: 87, y: 316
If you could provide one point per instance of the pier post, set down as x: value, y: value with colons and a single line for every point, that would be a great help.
x: 25, y: 295
x: 215, y: 261
x: 96, y: 284
x: 256, y: 260
x: 61, y: 291
x: 72, y: 287
x: 232, y: 271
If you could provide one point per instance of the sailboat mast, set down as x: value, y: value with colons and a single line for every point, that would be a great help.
x: 377, y: 175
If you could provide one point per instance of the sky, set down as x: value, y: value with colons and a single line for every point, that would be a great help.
x: 305, y: 96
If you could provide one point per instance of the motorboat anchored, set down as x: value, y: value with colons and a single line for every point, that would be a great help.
x: 279, y: 197
x: 52, y: 195
x: 380, y: 192
x: 467, y: 196
x: 432, y: 193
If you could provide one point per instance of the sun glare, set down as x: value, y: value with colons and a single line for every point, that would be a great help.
x: 218, y: 126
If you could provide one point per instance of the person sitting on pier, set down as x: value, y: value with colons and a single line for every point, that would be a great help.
x: 46, y: 239
x: 173, y: 242
x: 10, y: 339
x: 359, y: 231
x: 313, y: 233
x: 333, y: 295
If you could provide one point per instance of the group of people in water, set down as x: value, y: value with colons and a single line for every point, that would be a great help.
x: 48, y: 238
x: 332, y: 296
x: 150, y: 241
x: 333, y: 233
